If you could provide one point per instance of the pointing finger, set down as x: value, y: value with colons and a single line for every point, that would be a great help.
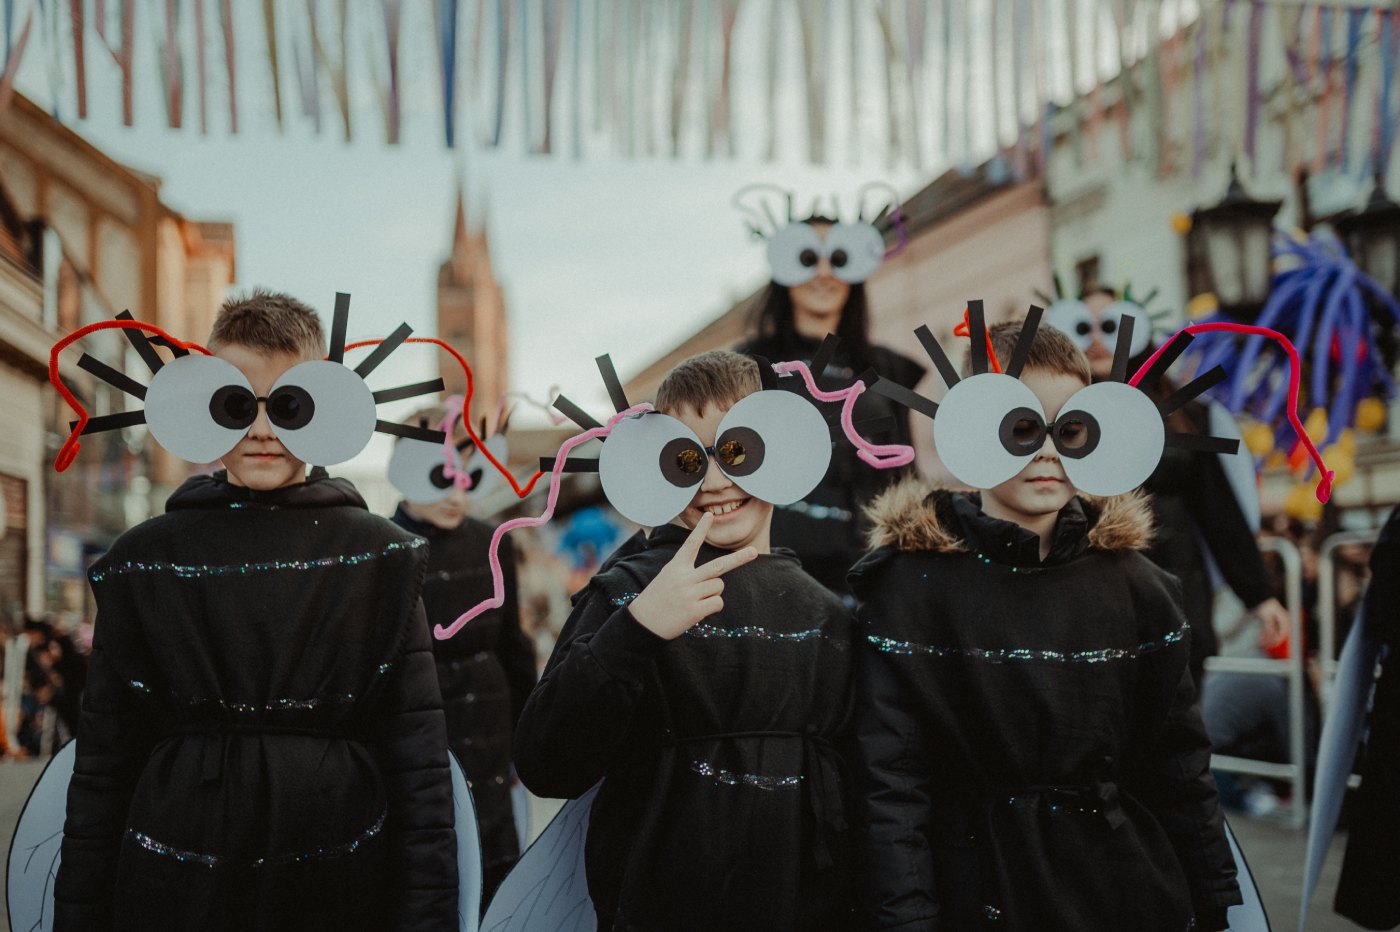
x: 690, y: 549
x: 721, y: 565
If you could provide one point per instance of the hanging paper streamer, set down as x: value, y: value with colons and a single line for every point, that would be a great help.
x: 390, y: 91
x: 270, y: 29
x: 1387, y: 23
x: 1251, y: 96
x: 685, y: 27
x: 122, y: 55
x: 200, y: 64
x: 78, y: 20
x: 1324, y: 31
x: 1356, y: 20
x: 775, y: 20
x: 553, y: 33
x: 576, y: 124
x: 946, y: 81
x: 721, y: 112
x: 172, y: 66
x: 812, y: 15
x: 226, y: 18
x: 16, y: 55
x: 338, y: 69
x: 308, y: 75
x: 916, y: 21
x: 503, y: 9
x: 1122, y: 21
x: 445, y: 19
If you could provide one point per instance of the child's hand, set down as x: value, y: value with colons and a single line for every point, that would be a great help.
x: 683, y: 594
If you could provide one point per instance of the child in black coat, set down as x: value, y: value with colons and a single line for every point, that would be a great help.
x: 1034, y: 757
x: 262, y: 742
x: 704, y: 678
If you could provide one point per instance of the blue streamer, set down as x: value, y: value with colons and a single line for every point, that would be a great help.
x: 1355, y: 20
x: 447, y: 17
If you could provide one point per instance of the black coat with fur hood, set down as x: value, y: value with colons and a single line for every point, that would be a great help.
x: 262, y: 743
x: 1033, y: 754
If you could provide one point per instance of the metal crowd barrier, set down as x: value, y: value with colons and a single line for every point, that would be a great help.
x: 1294, y: 772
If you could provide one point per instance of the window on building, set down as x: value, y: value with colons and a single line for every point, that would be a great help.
x: 1086, y: 273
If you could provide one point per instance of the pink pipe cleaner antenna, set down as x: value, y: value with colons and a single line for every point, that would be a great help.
x: 460, y: 477
x: 1324, y: 485
x: 498, y: 586
x: 881, y: 456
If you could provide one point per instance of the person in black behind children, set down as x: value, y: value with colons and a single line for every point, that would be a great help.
x: 1367, y: 892
x: 1194, y: 508
x: 826, y: 528
x: 485, y: 671
x: 262, y: 743
x: 1033, y: 754
x: 704, y: 678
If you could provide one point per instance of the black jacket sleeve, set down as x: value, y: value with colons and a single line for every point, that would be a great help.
x: 893, y: 780
x: 514, y: 650
x: 409, y: 740
x: 576, y: 720
x: 1232, y: 544
x: 121, y: 718
x: 1174, y: 781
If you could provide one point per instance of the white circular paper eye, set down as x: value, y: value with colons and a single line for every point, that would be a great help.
x: 775, y: 445
x: 793, y: 254
x: 1130, y: 438
x: 322, y: 411
x: 1072, y: 317
x: 198, y: 407
x: 417, y: 469
x: 651, y: 467
x: 1112, y: 319
x: 856, y: 251
x: 969, y: 425
x: 486, y: 477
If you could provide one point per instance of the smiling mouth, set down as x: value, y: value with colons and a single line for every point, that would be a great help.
x: 1039, y: 479
x: 720, y: 509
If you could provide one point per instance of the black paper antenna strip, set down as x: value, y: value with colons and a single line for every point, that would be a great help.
x: 410, y: 431
x: 1191, y: 390
x: 381, y: 352
x: 574, y: 413
x: 977, y: 334
x: 613, y: 383
x: 1200, y: 443
x: 142, y: 345
x: 408, y: 391
x: 340, y: 323
x: 175, y: 348
x: 1174, y: 349
x: 572, y: 464
x: 940, y: 359
x: 1024, y: 341
x: 767, y: 378
x: 825, y: 353
x: 118, y: 380
x: 97, y: 425
x: 899, y: 394
x: 1123, y: 349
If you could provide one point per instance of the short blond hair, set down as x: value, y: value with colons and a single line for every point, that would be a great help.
x: 270, y: 322
x: 718, y: 377
x: 1051, y: 351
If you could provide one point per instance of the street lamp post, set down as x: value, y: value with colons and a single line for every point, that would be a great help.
x: 1372, y: 238
x: 1228, y: 251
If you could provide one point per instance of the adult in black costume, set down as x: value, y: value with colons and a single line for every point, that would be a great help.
x: 1367, y: 892
x: 826, y: 529
x: 485, y: 671
x: 262, y: 742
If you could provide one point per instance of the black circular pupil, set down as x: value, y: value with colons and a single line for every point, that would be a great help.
x: 1073, y: 434
x: 291, y: 407
x: 808, y: 257
x: 1025, y: 431
x: 839, y: 258
x: 438, y: 477
x: 1083, y: 328
x: 284, y: 407
x: 1109, y: 325
x: 690, y: 461
x: 233, y: 407
x: 475, y: 476
x: 732, y: 453
x: 239, y: 406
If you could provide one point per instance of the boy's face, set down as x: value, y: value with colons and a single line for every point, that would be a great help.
x: 259, y: 461
x: 1042, y: 487
x: 740, y: 520
x: 446, y: 513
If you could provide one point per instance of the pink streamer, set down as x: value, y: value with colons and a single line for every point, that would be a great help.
x: 460, y: 478
x: 881, y: 456
x: 497, y: 579
x: 1324, y: 485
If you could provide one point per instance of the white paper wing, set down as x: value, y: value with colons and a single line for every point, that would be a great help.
x: 1249, y: 916
x: 548, y: 888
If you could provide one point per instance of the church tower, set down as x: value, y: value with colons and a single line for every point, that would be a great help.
x: 472, y: 314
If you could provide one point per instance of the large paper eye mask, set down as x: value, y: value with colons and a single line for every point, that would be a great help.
x: 174, y: 400
x: 1073, y: 317
x: 1109, y: 437
x: 855, y: 251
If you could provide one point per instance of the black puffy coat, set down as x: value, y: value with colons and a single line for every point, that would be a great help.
x: 827, y: 528
x: 723, y: 797
x: 1032, y: 751
x: 1366, y: 891
x: 485, y: 672
x: 262, y: 744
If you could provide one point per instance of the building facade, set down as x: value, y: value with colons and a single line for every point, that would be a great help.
x: 472, y: 314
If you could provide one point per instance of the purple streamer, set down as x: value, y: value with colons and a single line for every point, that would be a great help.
x: 1198, y: 110
x: 1355, y: 20
x: 1386, y: 119
x: 1251, y: 119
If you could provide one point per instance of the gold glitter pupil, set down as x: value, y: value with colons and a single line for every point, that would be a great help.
x: 732, y: 453
x: 690, y: 461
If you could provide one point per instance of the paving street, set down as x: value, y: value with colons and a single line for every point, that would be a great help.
x: 1275, y: 854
